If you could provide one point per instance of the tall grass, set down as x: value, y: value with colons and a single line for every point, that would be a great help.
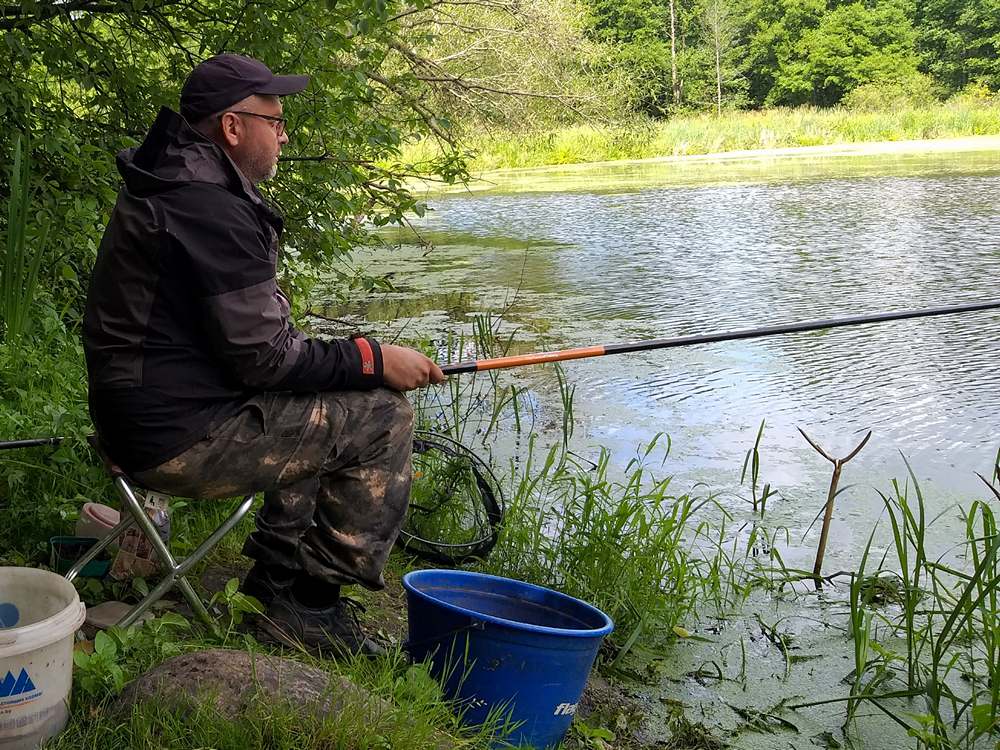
x: 622, y: 544
x: 706, y: 133
x: 43, y: 392
x: 932, y: 664
x: 398, y: 705
x: 22, y: 251
x: 619, y: 537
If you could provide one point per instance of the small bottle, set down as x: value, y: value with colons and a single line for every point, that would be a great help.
x: 136, y: 558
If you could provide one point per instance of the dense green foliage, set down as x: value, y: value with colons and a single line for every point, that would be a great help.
x: 43, y: 392
x: 87, y: 79
x: 738, y: 53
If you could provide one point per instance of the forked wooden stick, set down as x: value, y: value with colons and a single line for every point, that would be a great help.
x: 838, y: 464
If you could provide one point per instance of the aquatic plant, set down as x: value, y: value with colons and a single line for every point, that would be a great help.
x: 943, y: 687
x: 752, y: 462
x: 620, y: 543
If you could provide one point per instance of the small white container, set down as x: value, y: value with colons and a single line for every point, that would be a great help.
x: 97, y: 521
x: 39, y: 614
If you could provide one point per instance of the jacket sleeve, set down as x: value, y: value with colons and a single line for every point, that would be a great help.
x: 246, y: 317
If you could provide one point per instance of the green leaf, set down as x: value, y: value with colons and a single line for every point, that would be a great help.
x: 983, y: 718
x: 105, y: 645
x: 117, y: 677
x: 174, y: 620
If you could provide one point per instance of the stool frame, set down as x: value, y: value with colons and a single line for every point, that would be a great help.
x: 133, y: 513
x: 174, y: 571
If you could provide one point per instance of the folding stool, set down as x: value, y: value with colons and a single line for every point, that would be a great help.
x: 173, y: 571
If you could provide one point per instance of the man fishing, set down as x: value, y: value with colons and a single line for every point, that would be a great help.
x: 201, y: 386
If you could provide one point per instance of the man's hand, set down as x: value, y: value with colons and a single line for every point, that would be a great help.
x: 405, y: 369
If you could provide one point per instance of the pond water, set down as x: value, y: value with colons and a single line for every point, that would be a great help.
x: 578, y: 256
x: 608, y: 253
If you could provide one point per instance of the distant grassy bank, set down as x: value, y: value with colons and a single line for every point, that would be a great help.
x: 734, y: 131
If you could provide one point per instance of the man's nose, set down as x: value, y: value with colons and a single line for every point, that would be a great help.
x: 283, y: 139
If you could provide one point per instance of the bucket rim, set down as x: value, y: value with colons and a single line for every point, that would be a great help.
x: 47, y: 631
x: 605, y: 629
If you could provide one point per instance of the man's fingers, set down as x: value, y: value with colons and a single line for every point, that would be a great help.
x: 406, y: 369
x: 437, y: 376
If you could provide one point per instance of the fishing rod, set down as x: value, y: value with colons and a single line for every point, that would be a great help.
x: 601, y: 350
x: 29, y: 443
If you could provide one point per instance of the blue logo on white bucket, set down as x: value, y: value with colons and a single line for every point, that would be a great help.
x: 16, y: 687
x: 9, y: 616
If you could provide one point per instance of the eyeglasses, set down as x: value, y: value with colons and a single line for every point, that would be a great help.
x: 280, y: 122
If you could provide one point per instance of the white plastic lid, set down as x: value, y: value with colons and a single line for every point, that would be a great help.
x: 45, y: 632
x: 101, y: 513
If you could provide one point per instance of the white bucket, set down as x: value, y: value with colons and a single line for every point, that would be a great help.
x: 39, y: 613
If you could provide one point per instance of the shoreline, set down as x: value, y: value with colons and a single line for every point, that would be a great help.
x: 963, y: 144
x: 745, y: 161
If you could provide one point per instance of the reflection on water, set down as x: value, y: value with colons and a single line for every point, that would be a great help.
x: 649, y: 261
x: 909, y: 159
x: 455, y: 304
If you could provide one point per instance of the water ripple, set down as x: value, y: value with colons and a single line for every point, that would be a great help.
x: 600, y: 268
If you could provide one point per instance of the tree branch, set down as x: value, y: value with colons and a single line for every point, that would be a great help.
x: 15, y: 16
x: 482, y: 3
x: 424, y: 113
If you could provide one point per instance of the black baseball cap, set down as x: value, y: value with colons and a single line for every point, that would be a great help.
x: 223, y: 80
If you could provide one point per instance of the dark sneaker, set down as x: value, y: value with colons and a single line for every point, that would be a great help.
x: 264, y: 585
x: 332, y: 631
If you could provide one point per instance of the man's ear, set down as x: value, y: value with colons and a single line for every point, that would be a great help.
x: 230, y: 129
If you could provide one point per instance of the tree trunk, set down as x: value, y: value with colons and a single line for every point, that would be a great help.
x: 675, y: 82
x: 718, y: 68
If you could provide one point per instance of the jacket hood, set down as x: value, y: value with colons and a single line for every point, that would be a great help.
x: 173, y: 154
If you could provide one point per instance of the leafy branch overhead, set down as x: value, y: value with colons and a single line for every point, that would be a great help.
x: 89, y: 76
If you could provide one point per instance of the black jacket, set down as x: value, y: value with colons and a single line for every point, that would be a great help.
x: 184, y: 319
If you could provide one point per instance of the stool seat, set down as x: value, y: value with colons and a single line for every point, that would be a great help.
x: 173, y: 570
x: 113, y: 469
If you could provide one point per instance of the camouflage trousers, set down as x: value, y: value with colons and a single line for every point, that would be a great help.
x: 334, y: 468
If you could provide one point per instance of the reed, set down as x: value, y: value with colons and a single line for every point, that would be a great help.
x: 943, y: 687
x: 22, y: 250
x: 752, y: 462
x: 620, y: 542
x: 705, y: 133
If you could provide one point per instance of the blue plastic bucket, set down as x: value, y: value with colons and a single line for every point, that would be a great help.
x: 503, y: 644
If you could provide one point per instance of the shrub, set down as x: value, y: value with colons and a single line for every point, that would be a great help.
x: 915, y: 90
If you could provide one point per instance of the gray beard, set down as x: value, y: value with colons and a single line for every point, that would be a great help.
x: 258, y: 171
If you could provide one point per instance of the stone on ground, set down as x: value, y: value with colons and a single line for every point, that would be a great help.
x: 235, y: 679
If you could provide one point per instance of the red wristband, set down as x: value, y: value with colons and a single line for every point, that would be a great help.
x: 367, y: 356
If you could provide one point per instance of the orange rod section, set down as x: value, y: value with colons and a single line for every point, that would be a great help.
x: 539, y: 358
